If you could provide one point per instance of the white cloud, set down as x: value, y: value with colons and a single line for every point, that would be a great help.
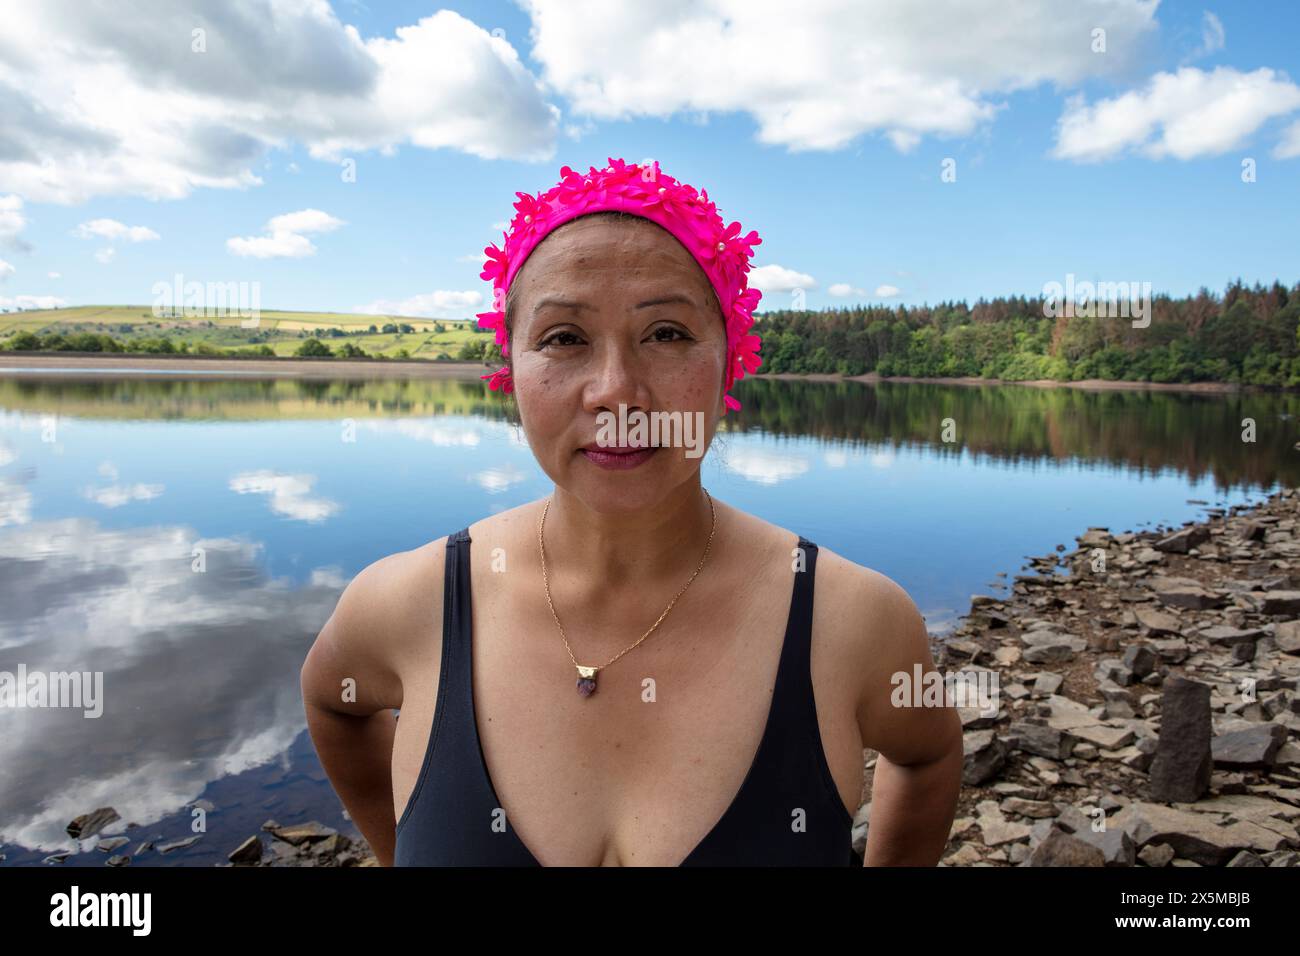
x: 53, y: 275
x: 305, y: 220
x: 113, y: 108
x: 12, y: 222
x: 285, y: 239
x: 113, y: 230
x: 1182, y: 115
x: 762, y: 466
x: 289, y: 495
x: 1213, y: 36
x: 443, y: 304
x: 32, y: 302
x: 114, y: 496
x: 281, y: 245
x: 6, y: 270
x: 105, y: 255
x: 1288, y: 146
x: 887, y: 291
x: 843, y: 289
x: 496, y: 480
x: 775, y: 278
x: 816, y: 76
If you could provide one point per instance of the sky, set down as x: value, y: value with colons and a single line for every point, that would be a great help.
x: 358, y: 157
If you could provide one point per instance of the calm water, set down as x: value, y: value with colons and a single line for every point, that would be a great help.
x: 111, y: 490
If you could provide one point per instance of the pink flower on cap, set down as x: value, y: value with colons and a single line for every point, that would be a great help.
x: 720, y: 250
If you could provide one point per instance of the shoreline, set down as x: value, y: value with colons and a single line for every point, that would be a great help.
x: 1154, y: 686
x: 94, y: 364
x: 112, y: 364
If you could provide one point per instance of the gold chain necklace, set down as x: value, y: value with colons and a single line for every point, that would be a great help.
x: 587, y: 675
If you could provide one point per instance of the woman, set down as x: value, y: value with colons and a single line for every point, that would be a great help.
x: 728, y: 672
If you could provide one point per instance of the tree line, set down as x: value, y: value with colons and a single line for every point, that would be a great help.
x: 1247, y: 335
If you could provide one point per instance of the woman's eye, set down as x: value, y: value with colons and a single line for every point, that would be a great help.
x: 554, y: 339
x: 668, y: 328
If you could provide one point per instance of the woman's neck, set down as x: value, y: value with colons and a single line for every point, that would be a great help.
x: 630, y: 549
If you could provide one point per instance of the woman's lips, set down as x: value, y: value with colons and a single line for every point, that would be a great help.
x: 617, y: 459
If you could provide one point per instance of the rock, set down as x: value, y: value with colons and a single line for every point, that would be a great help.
x: 88, y: 824
x: 1157, y: 622
x: 1051, y: 647
x: 1116, y: 846
x: 303, y: 833
x: 1047, y: 683
x: 118, y: 860
x: 1287, y: 637
x: 1183, y: 592
x: 1059, y: 848
x: 178, y: 844
x: 1183, y: 764
x: 1204, y: 838
x: 1281, y: 602
x: 984, y: 756
x: 108, y: 846
x: 250, y: 851
x: 1140, y: 660
x: 1172, y: 651
x: 994, y: 830
x: 1231, y: 635
x: 1246, y: 858
x: 1094, y: 538
x: 1180, y: 542
x: 1157, y: 854
x: 1107, y: 738
x: 1041, y: 739
x: 1252, y: 749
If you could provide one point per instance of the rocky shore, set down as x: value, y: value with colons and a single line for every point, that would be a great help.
x: 1147, y: 692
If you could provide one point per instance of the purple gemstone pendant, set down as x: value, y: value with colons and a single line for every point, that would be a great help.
x: 586, y: 680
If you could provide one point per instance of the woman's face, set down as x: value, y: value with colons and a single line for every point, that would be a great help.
x: 614, y: 312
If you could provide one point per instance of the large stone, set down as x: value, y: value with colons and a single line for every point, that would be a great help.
x: 1183, y: 592
x: 88, y: 824
x: 1059, y: 848
x: 1287, y: 637
x: 1180, y: 542
x: 1183, y: 765
x: 1204, y: 838
x: 1157, y: 622
x: 1042, y: 740
x: 1107, y: 738
x: 984, y: 756
x: 1252, y: 749
x: 1222, y: 634
x: 1140, y: 660
x: 1051, y: 647
x: 1281, y: 602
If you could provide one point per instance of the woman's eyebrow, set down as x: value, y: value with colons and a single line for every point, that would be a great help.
x: 668, y: 299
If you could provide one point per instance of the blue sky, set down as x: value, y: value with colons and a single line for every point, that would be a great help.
x: 826, y: 131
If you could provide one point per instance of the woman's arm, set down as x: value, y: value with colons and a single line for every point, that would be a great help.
x: 351, y: 685
x: 915, y: 729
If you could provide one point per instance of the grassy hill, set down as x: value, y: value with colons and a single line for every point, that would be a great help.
x: 281, y: 331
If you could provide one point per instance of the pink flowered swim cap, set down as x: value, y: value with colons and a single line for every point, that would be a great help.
x: 722, y: 252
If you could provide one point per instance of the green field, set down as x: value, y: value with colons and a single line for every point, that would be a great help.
x: 282, y: 332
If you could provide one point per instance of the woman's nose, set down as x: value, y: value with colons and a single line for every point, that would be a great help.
x: 617, y: 377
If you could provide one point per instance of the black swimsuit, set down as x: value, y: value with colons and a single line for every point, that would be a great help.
x: 450, y: 816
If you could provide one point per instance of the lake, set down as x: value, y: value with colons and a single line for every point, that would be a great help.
x: 187, y: 537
